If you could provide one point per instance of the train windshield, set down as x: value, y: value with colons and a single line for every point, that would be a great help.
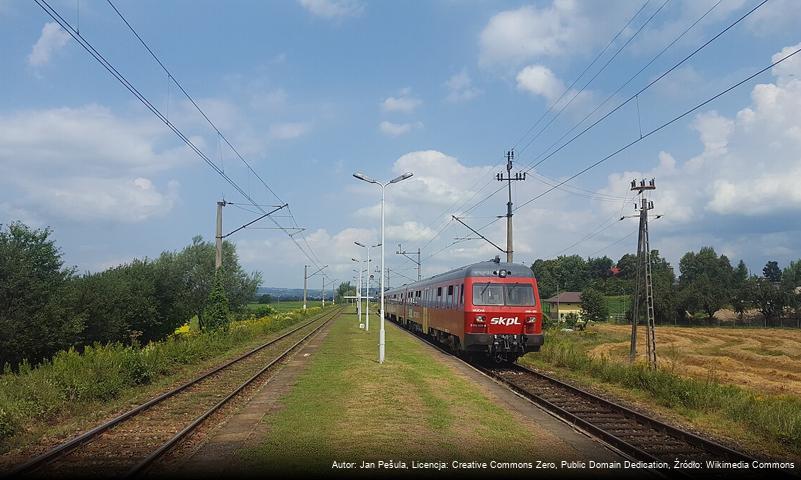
x: 517, y: 294
x: 487, y: 294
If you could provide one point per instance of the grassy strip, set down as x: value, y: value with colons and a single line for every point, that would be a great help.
x: 773, y: 418
x: 345, y: 406
x: 104, y: 372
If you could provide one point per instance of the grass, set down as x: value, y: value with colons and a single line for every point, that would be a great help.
x: 73, y: 384
x: 761, y: 420
x: 346, y: 406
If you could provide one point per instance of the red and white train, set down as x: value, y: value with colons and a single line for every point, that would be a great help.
x: 488, y: 308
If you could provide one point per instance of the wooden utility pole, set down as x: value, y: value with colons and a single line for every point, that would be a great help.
x: 643, y: 277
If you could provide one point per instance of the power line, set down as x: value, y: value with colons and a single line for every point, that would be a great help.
x: 623, y: 47
x: 86, y: 45
x: 539, y: 160
x: 649, y: 85
x: 222, y: 136
x: 551, y: 106
x: 664, y: 125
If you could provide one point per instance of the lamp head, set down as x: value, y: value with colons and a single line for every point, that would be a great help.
x: 401, y: 178
x: 364, y: 177
x: 359, y: 244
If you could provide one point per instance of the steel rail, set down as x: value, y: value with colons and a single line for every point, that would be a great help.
x: 166, y: 446
x: 710, y: 446
x: 85, y: 437
x: 634, y: 452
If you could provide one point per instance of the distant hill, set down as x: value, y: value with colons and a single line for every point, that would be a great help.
x: 291, y: 293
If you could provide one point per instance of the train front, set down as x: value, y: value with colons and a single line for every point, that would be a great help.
x: 503, y: 313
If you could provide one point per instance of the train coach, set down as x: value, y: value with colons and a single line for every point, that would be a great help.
x: 487, y: 309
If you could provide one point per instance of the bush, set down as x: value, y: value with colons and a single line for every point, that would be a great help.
x: 103, y: 372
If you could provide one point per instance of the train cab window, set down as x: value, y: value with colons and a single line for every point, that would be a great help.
x: 487, y: 294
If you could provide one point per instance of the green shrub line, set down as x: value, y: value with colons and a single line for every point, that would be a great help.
x: 103, y: 372
x: 776, y: 417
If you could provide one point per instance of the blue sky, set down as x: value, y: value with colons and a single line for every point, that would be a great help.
x: 313, y: 90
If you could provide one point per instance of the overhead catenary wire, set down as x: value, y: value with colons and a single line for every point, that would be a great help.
x: 619, y: 50
x: 540, y: 159
x: 86, y: 45
x: 222, y: 136
x: 551, y: 106
x: 664, y: 125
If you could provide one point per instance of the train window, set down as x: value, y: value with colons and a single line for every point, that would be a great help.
x: 519, y: 294
x: 439, y: 291
x: 487, y: 294
x: 461, y: 294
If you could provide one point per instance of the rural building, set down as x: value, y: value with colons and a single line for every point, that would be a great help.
x: 559, y: 306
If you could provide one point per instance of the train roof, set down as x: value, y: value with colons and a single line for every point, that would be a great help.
x: 480, y: 269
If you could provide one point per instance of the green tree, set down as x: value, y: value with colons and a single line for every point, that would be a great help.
x: 705, y: 282
x: 265, y: 299
x: 197, y: 261
x: 593, y: 305
x: 568, y: 273
x: 772, y: 272
x: 599, y: 268
x: 216, y: 315
x: 767, y: 297
x: 35, y: 319
x: 345, y: 288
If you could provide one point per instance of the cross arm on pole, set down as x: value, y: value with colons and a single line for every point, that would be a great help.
x: 318, y: 271
x: 254, y: 221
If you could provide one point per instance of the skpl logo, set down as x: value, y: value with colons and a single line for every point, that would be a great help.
x: 504, y: 321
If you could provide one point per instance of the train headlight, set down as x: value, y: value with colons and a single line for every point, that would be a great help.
x: 480, y: 318
x: 530, y: 320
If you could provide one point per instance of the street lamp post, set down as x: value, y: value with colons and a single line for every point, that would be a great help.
x: 383, y: 186
x: 368, y: 247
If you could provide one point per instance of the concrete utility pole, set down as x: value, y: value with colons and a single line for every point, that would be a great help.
x: 406, y: 254
x: 510, y: 155
x: 643, y: 277
x: 219, y: 237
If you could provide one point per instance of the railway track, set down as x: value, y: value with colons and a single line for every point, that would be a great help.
x: 131, y: 443
x: 637, y: 436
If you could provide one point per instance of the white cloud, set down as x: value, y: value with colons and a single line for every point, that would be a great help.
x: 460, y: 88
x: 514, y: 36
x: 750, y: 163
x: 118, y: 199
x: 333, y: 9
x: 52, y: 39
x: 397, y: 129
x: 404, y: 103
x: 86, y: 164
x: 288, y: 131
x: 540, y: 80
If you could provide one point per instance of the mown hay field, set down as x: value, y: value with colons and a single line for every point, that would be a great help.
x: 761, y: 359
